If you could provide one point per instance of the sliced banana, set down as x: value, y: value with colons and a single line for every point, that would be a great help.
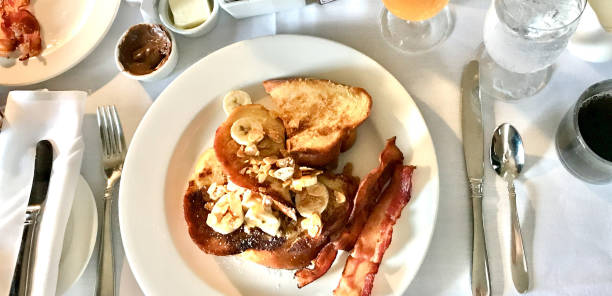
x: 226, y: 215
x: 247, y: 131
x: 312, y: 201
x: 235, y: 98
x: 262, y: 217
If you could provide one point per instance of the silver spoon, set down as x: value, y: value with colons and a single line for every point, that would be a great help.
x: 507, y: 159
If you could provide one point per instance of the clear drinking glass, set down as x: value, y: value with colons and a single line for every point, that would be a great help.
x: 415, y: 25
x: 584, y: 136
x: 522, y: 39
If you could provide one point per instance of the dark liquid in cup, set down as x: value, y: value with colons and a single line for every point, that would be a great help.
x: 595, y: 124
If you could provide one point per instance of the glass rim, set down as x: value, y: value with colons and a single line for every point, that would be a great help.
x: 582, y: 9
x: 584, y: 97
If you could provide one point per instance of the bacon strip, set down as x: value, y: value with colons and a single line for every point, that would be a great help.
x: 19, y: 29
x: 365, y: 199
x: 362, y: 265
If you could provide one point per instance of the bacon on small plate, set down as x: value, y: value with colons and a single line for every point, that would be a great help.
x: 362, y: 265
x: 367, y: 195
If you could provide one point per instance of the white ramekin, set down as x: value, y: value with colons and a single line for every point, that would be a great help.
x: 205, y: 27
x: 161, y: 72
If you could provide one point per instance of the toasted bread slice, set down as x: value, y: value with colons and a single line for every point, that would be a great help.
x: 319, y: 116
x: 292, y: 249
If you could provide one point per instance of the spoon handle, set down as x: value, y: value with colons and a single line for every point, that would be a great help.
x: 518, y: 262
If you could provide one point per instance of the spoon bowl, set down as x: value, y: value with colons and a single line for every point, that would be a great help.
x: 507, y: 152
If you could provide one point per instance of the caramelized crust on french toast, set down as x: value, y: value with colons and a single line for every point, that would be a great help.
x: 319, y: 116
x: 208, y: 172
x: 293, y: 248
x: 298, y: 252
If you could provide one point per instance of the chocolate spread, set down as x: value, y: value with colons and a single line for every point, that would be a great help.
x: 144, y: 48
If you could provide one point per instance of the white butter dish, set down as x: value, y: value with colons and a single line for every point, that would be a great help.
x: 205, y: 27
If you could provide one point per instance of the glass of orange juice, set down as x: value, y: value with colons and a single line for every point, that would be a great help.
x: 415, y: 25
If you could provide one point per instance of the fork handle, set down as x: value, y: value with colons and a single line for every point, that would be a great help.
x: 106, y: 268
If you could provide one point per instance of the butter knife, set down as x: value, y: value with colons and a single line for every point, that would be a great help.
x: 22, y: 277
x: 473, y: 149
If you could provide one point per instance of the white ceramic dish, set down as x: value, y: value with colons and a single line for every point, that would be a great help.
x: 203, y: 28
x: 247, y: 8
x: 160, y: 73
x: 79, y: 239
x: 161, y: 254
x: 70, y: 31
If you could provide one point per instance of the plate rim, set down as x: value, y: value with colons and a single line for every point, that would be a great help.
x: 433, y: 179
x: 88, y: 200
x: 105, y: 12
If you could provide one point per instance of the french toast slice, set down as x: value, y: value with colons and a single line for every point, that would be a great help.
x: 292, y: 248
x: 320, y: 116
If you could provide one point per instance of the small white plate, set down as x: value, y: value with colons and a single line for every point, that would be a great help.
x: 79, y: 239
x: 70, y: 30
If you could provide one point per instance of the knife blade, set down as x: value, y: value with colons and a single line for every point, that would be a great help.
x: 22, y: 276
x: 472, y: 132
x: 473, y: 149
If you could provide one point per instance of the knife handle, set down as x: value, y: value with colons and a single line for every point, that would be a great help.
x: 480, y: 268
x: 22, y: 277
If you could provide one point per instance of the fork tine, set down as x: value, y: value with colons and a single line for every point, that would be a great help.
x: 103, y: 131
x: 111, y: 130
x: 107, y: 127
x: 119, y: 129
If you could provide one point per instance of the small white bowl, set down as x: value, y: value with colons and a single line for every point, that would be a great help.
x: 203, y: 28
x: 163, y: 71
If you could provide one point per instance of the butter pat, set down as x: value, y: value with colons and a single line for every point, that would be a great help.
x: 189, y: 13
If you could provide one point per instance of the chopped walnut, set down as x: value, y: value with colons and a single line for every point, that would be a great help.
x: 269, y: 160
x: 284, y: 173
x: 312, y: 225
x: 240, y: 153
x: 285, y: 162
x: 261, y: 177
x: 216, y: 191
x: 251, y: 150
x: 303, y: 182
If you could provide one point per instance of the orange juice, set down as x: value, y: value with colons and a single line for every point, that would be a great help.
x: 415, y: 10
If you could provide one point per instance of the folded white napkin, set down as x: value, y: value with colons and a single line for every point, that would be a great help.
x: 32, y: 116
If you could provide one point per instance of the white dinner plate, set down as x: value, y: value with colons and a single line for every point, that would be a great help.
x: 70, y: 30
x: 80, y: 237
x: 181, y: 124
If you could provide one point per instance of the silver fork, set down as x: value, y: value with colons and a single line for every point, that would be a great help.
x: 113, y: 154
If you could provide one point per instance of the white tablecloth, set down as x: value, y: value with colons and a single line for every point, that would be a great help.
x: 567, y: 224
